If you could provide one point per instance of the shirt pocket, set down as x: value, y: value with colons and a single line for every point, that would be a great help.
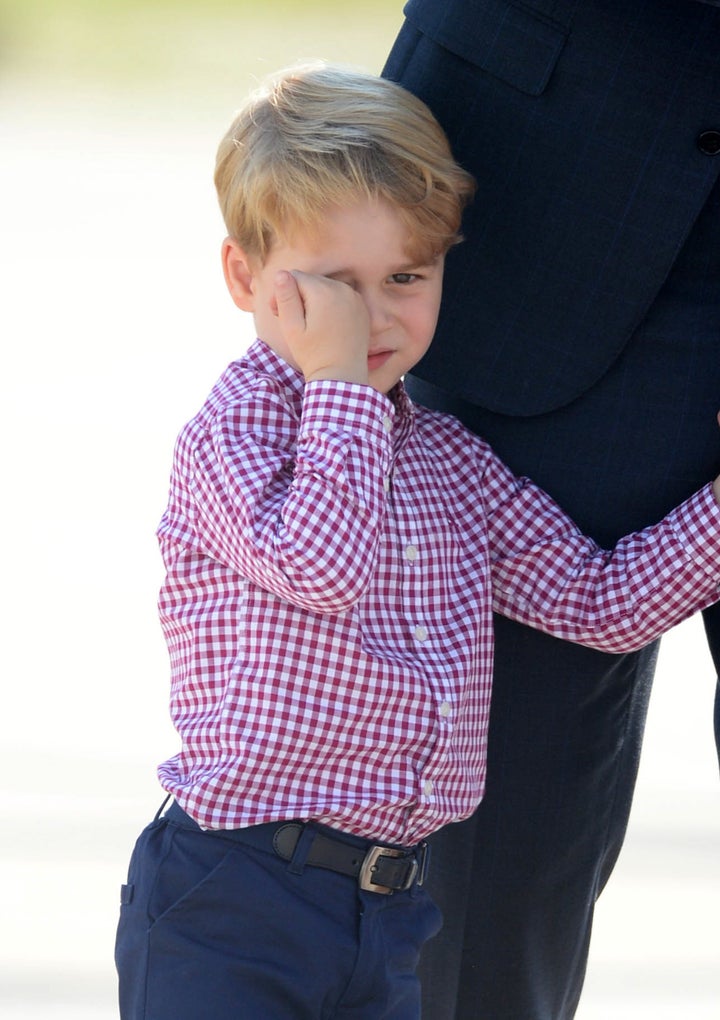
x: 510, y: 41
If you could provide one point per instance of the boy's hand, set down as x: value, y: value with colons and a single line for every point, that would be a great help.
x: 326, y: 326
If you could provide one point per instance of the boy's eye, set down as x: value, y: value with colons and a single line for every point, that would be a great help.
x: 404, y: 277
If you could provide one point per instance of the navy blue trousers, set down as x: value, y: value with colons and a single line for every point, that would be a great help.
x: 214, y: 927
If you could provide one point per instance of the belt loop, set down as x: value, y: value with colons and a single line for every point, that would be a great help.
x: 160, y: 809
x: 423, y: 853
x: 302, y: 849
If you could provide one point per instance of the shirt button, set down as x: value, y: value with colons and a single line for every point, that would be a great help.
x: 386, y: 483
x: 420, y: 633
x: 387, y: 423
x: 709, y: 142
x: 428, y: 787
x: 445, y: 710
x: 410, y: 553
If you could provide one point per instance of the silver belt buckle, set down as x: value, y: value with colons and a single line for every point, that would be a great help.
x: 369, y: 867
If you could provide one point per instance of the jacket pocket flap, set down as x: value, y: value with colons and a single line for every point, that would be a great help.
x: 505, y: 39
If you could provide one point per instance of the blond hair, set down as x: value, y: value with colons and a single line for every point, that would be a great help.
x: 317, y: 136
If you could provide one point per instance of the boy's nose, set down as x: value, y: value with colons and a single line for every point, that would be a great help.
x: 378, y: 311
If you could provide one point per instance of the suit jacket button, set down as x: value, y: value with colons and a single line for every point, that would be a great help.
x: 709, y: 142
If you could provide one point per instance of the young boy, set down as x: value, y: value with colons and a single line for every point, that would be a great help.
x: 334, y: 556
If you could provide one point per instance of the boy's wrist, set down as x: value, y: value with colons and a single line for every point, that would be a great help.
x: 716, y: 488
x: 334, y: 373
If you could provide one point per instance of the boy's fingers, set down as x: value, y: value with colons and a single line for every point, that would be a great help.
x: 290, y: 307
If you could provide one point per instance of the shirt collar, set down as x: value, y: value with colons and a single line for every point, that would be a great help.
x: 264, y: 359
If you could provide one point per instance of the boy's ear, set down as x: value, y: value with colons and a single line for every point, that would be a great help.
x: 237, y: 267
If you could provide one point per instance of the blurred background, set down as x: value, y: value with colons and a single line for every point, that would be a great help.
x: 115, y: 324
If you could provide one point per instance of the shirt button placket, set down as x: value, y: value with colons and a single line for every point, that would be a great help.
x: 388, y: 426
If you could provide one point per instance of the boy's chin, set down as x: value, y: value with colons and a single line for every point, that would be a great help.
x: 384, y: 381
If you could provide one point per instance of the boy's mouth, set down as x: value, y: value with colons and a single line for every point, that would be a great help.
x: 376, y: 359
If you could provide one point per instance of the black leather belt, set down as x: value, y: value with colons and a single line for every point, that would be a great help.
x: 380, y: 869
x: 377, y: 868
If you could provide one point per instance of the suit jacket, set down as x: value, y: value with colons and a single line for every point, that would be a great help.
x: 592, y: 129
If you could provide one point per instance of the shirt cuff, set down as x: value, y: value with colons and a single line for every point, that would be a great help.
x: 696, y: 523
x: 343, y: 407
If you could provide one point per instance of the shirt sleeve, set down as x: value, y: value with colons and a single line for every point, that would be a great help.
x: 548, y: 575
x: 297, y: 508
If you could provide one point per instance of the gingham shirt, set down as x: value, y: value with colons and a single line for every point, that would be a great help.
x: 333, y: 560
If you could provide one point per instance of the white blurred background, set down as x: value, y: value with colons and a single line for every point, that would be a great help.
x: 115, y: 323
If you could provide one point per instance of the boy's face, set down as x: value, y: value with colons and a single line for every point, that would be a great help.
x: 364, y: 246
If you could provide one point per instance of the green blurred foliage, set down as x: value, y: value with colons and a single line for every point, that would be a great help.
x: 208, y: 44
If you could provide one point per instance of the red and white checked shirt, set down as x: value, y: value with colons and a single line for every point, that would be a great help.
x: 333, y: 560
